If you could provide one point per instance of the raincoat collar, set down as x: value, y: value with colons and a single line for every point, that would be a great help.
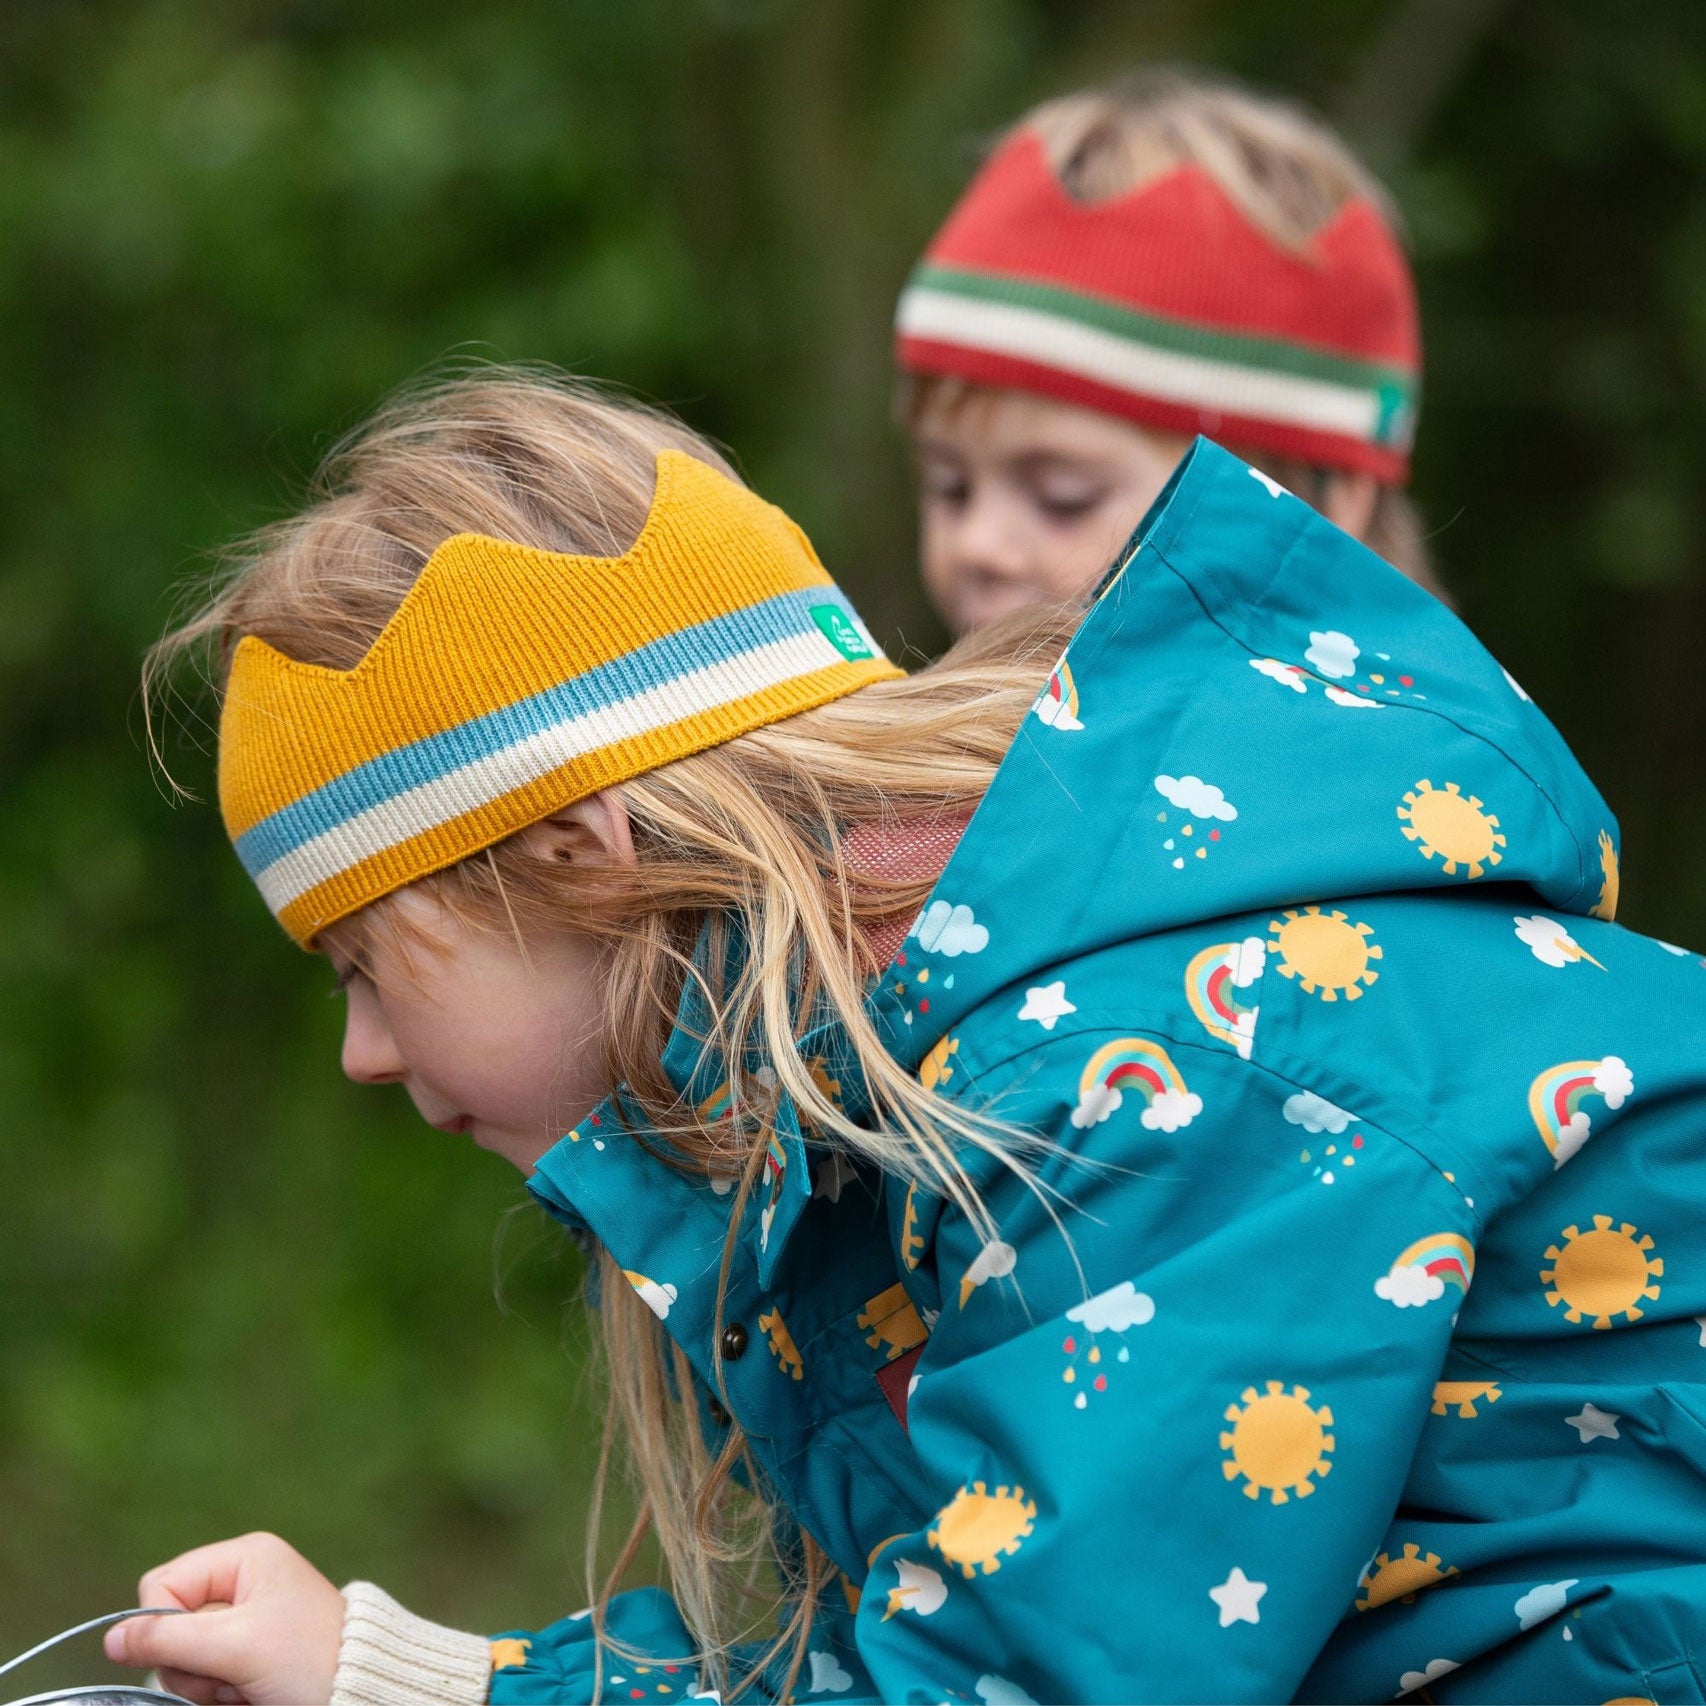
x: 593, y: 1178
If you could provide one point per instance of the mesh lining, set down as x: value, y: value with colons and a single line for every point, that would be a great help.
x: 904, y: 852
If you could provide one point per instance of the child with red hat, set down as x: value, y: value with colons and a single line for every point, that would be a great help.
x: 1130, y: 268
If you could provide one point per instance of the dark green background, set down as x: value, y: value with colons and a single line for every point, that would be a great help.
x: 236, y: 1292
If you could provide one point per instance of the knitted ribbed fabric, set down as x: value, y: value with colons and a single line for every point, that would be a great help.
x: 511, y: 682
x: 1168, y: 307
x: 390, y: 1657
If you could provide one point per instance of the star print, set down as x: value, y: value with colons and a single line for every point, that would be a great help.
x: 832, y: 1175
x: 1046, y: 1005
x: 1594, y: 1423
x: 1237, y: 1597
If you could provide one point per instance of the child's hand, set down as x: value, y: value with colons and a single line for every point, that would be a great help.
x: 269, y: 1633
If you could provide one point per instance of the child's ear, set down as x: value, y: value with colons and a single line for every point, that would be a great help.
x: 593, y: 831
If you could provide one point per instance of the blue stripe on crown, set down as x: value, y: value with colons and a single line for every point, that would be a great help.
x: 786, y: 616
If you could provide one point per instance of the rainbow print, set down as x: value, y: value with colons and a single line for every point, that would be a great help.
x: 1134, y: 1066
x: 1057, y: 704
x: 775, y: 1166
x: 1448, y: 1256
x: 717, y: 1106
x: 1219, y: 983
x: 1557, y: 1096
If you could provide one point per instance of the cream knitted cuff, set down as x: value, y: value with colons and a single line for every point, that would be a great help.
x: 390, y: 1657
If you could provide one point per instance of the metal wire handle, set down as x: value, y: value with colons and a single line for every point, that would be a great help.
x: 93, y: 1623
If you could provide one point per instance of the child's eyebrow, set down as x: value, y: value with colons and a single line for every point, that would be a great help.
x: 1052, y: 461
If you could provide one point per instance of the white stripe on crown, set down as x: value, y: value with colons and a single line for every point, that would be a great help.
x: 1033, y: 334
x: 477, y: 784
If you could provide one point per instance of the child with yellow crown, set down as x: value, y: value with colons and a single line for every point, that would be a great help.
x: 1132, y: 266
x: 1219, y: 1223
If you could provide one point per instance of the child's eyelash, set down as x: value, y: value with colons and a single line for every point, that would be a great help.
x: 344, y: 979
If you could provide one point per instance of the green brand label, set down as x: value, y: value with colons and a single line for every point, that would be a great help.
x: 1395, y: 419
x: 841, y: 633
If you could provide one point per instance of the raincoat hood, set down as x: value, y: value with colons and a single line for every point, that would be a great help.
x: 1272, y: 713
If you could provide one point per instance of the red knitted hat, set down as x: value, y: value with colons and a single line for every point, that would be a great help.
x: 1168, y: 307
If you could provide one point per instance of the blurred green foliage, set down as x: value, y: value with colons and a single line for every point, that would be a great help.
x: 235, y: 1292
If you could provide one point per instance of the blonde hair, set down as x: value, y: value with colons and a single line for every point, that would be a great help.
x: 1286, y: 171
x: 747, y: 835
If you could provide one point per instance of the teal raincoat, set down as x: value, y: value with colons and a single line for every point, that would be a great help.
x: 1369, y: 1356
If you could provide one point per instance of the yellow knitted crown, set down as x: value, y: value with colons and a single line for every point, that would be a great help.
x: 511, y: 682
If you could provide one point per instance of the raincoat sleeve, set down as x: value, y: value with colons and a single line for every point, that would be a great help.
x: 391, y: 1657
x: 559, y: 1663
x: 1169, y: 1488
x: 1164, y: 1430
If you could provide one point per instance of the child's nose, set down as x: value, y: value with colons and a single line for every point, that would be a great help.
x: 370, y: 1054
x: 991, y: 536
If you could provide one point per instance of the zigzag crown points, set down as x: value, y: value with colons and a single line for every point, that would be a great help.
x: 512, y: 680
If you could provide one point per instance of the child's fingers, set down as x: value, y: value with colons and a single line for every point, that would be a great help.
x: 206, y: 1644
x: 202, y: 1690
x: 116, y: 1643
x: 210, y: 1572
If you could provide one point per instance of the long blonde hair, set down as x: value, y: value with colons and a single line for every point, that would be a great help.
x: 1285, y: 171
x: 747, y: 835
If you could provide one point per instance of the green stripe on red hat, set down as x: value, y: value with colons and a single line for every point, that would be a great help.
x: 1167, y: 306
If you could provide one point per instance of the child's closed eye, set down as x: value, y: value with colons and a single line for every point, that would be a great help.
x: 943, y: 485
x: 1064, y: 507
x: 1067, y: 497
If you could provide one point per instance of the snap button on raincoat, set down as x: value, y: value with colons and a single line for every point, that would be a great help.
x: 1363, y: 1349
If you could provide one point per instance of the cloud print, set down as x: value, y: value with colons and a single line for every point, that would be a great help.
x: 1409, y: 1287
x: 1053, y: 712
x: 1411, y: 1680
x: 656, y: 1298
x: 943, y: 928
x: 1286, y: 674
x: 1571, y: 1136
x: 920, y: 1589
x: 1171, y: 1110
x: 1244, y: 1032
x: 998, y: 1691
x: 1355, y: 701
x: 1614, y: 1081
x: 1247, y: 960
x: 1333, y: 653
x: 1315, y: 1113
x: 1542, y: 1602
x: 1114, y: 1310
x: 1095, y: 1104
x: 1546, y: 939
x: 829, y: 1675
x: 1194, y: 795
x: 994, y: 1261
